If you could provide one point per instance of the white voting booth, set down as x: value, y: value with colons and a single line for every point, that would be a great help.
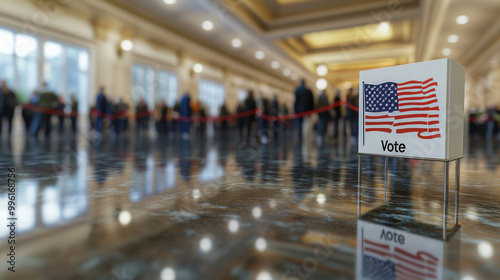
x: 414, y: 111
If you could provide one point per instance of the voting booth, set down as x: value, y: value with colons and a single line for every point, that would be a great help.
x: 414, y: 111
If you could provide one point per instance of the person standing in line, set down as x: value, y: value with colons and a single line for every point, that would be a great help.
x: 27, y: 113
x: 323, y: 117
x: 4, y: 91
x: 352, y: 114
x: 496, y: 116
x: 60, y: 114
x: 163, y: 117
x: 115, y: 109
x: 36, y: 121
x: 100, y: 107
x: 274, y: 112
x: 197, y: 113
x: 240, y: 122
x: 9, y: 103
x: 338, y: 114
x: 175, y: 117
x: 48, y: 102
x: 348, y: 113
x: 225, y: 123
x: 303, y: 102
x: 490, y: 122
x: 263, y: 106
x: 286, y: 122
x: 141, y: 116
x: 157, y: 117
x: 201, y: 112
x: 185, y: 111
x: 122, y: 116
x: 74, y: 113
x: 250, y: 105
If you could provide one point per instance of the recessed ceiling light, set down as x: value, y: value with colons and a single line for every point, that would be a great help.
x: 446, y: 51
x: 124, y: 218
x: 295, y: 76
x: 462, y: 19
x: 452, y: 38
x: 198, y: 67
x: 127, y: 45
x: 169, y: 2
x: 275, y: 64
x: 207, y: 25
x: 259, y: 55
x: 321, y: 84
x: 287, y: 72
x: 383, y: 27
x: 322, y: 70
x: 236, y: 43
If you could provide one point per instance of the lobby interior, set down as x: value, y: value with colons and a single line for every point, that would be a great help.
x: 218, y: 204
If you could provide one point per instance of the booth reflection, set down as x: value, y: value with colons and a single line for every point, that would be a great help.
x: 385, y: 252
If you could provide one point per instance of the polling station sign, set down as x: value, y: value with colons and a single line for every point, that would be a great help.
x: 414, y: 110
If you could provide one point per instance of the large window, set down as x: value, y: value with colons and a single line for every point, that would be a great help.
x: 167, y: 88
x: 18, y: 62
x: 211, y: 94
x: 242, y: 94
x: 66, y: 70
x: 143, y: 83
x: 148, y: 83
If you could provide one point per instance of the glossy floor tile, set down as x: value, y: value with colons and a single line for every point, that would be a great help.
x: 229, y: 209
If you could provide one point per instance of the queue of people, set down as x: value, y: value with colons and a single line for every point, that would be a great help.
x: 39, y: 111
x: 257, y: 118
x: 254, y: 118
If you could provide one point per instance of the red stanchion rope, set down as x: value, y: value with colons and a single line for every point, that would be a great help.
x: 61, y: 113
x: 258, y: 112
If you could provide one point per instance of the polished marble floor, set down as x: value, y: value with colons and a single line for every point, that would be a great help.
x: 223, y: 208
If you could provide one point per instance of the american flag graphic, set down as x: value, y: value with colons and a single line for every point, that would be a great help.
x: 409, y: 107
x: 382, y: 263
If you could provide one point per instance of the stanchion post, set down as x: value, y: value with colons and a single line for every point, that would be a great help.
x: 359, y: 184
x: 445, y: 197
x: 457, y: 189
x: 385, y: 179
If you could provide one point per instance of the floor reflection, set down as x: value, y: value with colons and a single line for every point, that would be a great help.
x: 228, y: 209
x: 385, y: 252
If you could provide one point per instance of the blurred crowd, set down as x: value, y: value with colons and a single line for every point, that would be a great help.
x: 255, y: 118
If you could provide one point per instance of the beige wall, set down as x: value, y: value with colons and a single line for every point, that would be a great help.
x: 73, y: 22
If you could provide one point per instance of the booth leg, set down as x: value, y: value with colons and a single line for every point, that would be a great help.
x: 359, y: 184
x: 445, y: 197
x: 385, y: 179
x: 457, y: 189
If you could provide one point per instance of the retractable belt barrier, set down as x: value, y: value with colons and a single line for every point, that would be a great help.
x: 141, y: 115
